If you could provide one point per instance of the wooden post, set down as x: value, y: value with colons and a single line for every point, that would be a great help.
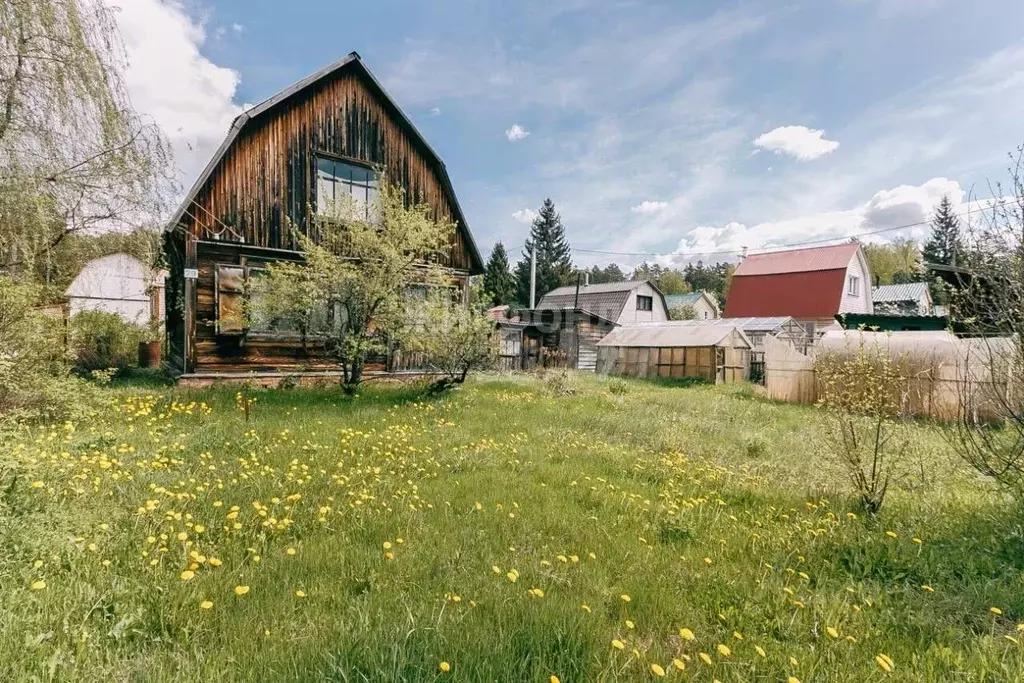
x: 191, y: 266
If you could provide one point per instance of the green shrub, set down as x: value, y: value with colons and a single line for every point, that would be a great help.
x: 103, y: 340
x: 618, y: 386
x: 35, y: 381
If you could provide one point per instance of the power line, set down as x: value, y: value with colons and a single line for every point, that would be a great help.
x: 736, y: 252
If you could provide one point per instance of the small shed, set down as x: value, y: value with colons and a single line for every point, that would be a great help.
x: 119, y: 283
x: 715, y: 353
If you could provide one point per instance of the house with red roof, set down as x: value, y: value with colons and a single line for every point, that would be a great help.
x: 810, y: 285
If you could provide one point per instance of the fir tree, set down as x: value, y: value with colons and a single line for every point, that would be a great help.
x: 499, y: 284
x: 944, y: 246
x: 554, y: 263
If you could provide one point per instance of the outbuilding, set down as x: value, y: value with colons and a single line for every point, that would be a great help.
x: 714, y: 353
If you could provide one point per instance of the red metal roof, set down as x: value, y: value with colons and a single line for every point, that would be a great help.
x: 814, y: 294
x: 799, y: 260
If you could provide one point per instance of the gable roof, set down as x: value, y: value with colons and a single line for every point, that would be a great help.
x: 606, y: 299
x: 672, y: 334
x: 351, y: 61
x: 689, y: 299
x: 910, y: 291
x: 812, y: 259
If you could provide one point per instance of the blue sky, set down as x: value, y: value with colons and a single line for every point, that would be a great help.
x: 662, y: 127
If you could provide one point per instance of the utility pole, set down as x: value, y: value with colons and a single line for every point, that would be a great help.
x: 533, y: 277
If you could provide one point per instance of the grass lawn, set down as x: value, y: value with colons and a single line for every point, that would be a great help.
x: 503, y: 533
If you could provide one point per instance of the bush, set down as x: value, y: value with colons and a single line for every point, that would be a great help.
x: 103, y: 340
x: 618, y: 387
x: 35, y: 381
x: 864, y: 395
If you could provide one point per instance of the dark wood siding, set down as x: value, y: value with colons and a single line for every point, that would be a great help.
x: 263, y: 186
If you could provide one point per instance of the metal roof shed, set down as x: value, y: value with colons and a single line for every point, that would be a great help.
x: 714, y: 353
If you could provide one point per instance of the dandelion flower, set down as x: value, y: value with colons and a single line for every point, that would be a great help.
x: 884, y: 662
x: 832, y: 632
x: 927, y: 589
x: 793, y: 661
x: 206, y: 604
x: 214, y: 562
x: 554, y: 679
x: 241, y: 590
x: 678, y: 663
x: 290, y: 551
x: 445, y: 667
x: 387, y: 545
x: 890, y: 534
x: 38, y: 585
x: 657, y: 670
x: 760, y: 651
x: 625, y: 598
x: 705, y: 657
x: 585, y: 608
x: 300, y: 594
x: 686, y: 634
x: 995, y: 610
x: 792, y: 679
x: 618, y: 644
x: 723, y: 650
x: 188, y: 575
x: 182, y: 536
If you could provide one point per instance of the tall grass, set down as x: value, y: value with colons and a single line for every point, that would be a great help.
x: 510, y: 531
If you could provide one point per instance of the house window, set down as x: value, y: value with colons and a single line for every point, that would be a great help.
x: 345, y: 190
x: 853, y: 287
x: 229, y: 282
x: 644, y: 303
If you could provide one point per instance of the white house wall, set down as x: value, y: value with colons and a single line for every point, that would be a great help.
x: 118, y: 284
x: 631, y: 315
x: 861, y: 302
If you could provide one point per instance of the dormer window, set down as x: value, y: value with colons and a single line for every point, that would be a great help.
x: 345, y: 190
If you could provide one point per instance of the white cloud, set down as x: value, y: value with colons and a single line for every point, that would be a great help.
x: 516, y: 132
x: 525, y: 215
x: 435, y: 111
x: 799, y: 141
x: 648, y: 206
x: 238, y: 28
x: 171, y: 82
x: 900, y: 212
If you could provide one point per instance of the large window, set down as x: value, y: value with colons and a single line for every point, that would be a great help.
x: 345, y: 190
x: 644, y: 303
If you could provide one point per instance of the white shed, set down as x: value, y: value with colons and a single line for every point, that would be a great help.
x: 121, y: 284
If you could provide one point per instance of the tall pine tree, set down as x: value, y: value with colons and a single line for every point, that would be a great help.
x: 944, y: 246
x: 554, y: 262
x: 498, y: 281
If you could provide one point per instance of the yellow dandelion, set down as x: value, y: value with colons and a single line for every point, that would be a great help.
x: 760, y: 651
x: 705, y: 657
x: 618, y: 644
x: 188, y: 575
x: 686, y: 634
x: 657, y: 670
x: 199, y: 528
x: 678, y: 663
x: 38, y: 585
x: 290, y: 551
x: 206, y: 604
x: 723, y: 650
x: 792, y: 679
x: 737, y: 635
x: 793, y: 661
x: 300, y: 594
x: 585, y: 608
x: 214, y: 562
x: 241, y: 590
x: 625, y: 598
x: 995, y: 610
x: 554, y: 679
x: 445, y: 667
x: 387, y: 545
x: 182, y: 536
x: 927, y: 589
x: 884, y: 662
x: 832, y: 632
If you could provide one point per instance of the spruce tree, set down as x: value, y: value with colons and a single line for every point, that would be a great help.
x: 499, y: 284
x: 944, y: 246
x: 554, y: 262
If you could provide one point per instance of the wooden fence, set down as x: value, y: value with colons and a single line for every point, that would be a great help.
x: 788, y: 374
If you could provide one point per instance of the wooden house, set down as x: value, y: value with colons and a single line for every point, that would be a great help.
x: 623, y: 303
x: 322, y: 139
x: 714, y: 353
x: 810, y: 285
x: 703, y: 304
